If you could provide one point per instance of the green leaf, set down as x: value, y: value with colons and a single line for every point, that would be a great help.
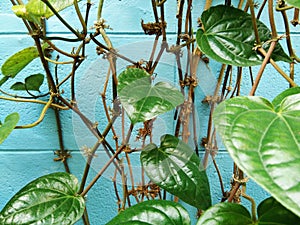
x: 50, y: 199
x: 17, y: 62
x: 272, y: 212
x: 295, y: 3
x: 20, y: 11
x: 226, y: 214
x: 176, y: 168
x: 228, y: 37
x: 265, y: 143
x: 32, y: 83
x: 153, y: 212
x: 141, y: 100
x: 8, y: 126
x: 34, y: 10
x: 14, y: 64
x: 290, y: 91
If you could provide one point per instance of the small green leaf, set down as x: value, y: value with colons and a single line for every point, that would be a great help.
x: 20, y: 11
x: 228, y: 37
x: 8, y: 126
x: 18, y: 86
x: 32, y: 83
x: 141, y: 100
x: 295, y: 3
x: 176, y: 168
x: 265, y: 143
x: 17, y: 62
x: 34, y: 10
x: 14, y: 64
x: 226, y: 214
x: 154, y: 212
x: 270, y: 211
x: 50, y: 199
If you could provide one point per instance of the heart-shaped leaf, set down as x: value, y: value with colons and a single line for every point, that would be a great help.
x: 228, y: 37
x: 175, y: 167
x: 265, y: 143
x: 9, y: 124
x: 270, y: 211
x: 154, y: 212
x: 50, y: 199
x: 32, y: 83
x: 226, y: 214
x: 34, y: 10
x: 295, y: 3
x: 141, y: 100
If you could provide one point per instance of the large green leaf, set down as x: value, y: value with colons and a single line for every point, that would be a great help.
x: 9, y: 124
x: 226, y: 214
x: 265, y: 143
x: 153, y: 212
x: 270, y: 212
x: 295, y: 3
x: 32, y: 83
x: 34, y: 10
x: 176, y: 168
x: 228, y: 37
x: 50, y: 199
x: 141, y: 100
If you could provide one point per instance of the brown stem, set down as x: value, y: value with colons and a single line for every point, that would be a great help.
x: 262, y: 68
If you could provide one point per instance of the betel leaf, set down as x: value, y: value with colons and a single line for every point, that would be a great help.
x: 32, y: 83
x: 279, y: 98
x: 141, y: 100
x: 14, y: 64
x: 17, y: 62
x: 175, y: 167
x: 154, y: 212
x: 20, y: 11
x: 295, y: 3
x: 228, y: 37
x: 224, y: 214
x: 34, y: 10
x: 8, y: 125
x: 50, y: 199
x: 265, y: 143
x: 270, y: 211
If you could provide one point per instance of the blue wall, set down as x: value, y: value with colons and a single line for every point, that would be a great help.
x: 28, y: 154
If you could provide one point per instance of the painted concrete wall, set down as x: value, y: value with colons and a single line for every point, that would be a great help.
x: 28, y: 154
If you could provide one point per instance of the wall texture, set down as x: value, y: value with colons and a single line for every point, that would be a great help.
x: 28, y: 154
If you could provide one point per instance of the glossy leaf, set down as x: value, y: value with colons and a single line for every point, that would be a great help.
x: 265, y: 143
x: 32, y: 83
x: 153, y: 212
x: 8, y: 126
x: 295, y: 3
x: 228, y: 37
x: 226, y: 214
x: 176, y: 168
x: 141, y: 100
x: 50, y: 199
x: 278, y: 99
x: 270, y: 211
x: 34, y: 10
